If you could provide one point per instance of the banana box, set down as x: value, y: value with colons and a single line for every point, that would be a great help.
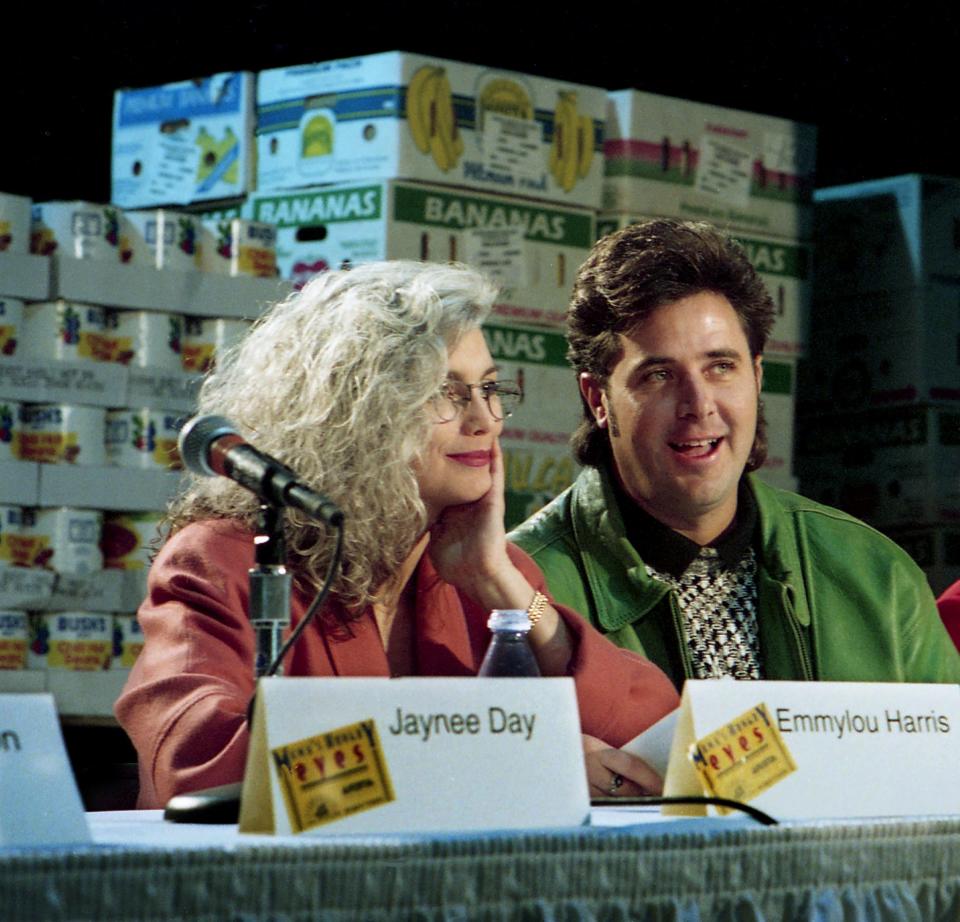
x: 14, y: 223
x: 237, y: 246
x: 785, y: 266
x: 183, y: 142
x: 893, y: 466
x: 78, y: 230
x: 538, y: 462
x: 884, y: 349
x: 531, y: 249
x: 778, y: 396
x: 398, y: 115
x: 935, y: 549
x: 886, y: 235
x: 739, y: 170
x: 11, y: 320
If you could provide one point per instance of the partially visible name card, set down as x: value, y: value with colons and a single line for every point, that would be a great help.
x: 818, y: 749
x: 345, y: 755
x: 39, y: 800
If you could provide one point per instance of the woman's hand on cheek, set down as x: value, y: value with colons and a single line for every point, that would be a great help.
x: 468, y: 542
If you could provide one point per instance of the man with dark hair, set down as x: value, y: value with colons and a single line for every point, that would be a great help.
x: 666, y: 541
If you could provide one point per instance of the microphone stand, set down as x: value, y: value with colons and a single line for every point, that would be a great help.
x: 270, y: 583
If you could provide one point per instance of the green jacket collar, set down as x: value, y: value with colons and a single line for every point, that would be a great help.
x: 609, y: 558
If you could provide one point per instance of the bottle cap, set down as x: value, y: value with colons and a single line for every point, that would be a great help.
x: 509, y: 619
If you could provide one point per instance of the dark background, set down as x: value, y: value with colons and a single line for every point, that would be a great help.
x: 880, y: 84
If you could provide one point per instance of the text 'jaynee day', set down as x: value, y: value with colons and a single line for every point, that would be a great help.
x: 426, y: 726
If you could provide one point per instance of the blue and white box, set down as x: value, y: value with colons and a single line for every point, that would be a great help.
x: 183, y: 142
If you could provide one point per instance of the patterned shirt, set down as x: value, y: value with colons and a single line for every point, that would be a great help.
x: 715, y: 587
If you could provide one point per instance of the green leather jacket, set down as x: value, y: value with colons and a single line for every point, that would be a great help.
x: 836, y: 600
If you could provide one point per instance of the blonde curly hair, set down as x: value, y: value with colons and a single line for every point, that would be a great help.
x: 335, y: 382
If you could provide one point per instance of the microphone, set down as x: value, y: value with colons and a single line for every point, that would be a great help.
x: 211, y: 446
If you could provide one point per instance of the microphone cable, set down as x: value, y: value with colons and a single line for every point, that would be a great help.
x: 314, y: 605
x: 763, y: 818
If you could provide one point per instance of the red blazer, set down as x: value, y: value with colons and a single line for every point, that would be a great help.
x: 185, y: 701
x: 948, y: 605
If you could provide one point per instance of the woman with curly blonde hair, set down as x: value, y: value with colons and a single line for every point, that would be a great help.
x: 376, y: 386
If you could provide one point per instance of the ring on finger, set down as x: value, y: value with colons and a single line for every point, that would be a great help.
x: 616, y: 782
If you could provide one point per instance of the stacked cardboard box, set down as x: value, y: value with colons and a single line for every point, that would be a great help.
x: 880, y: 392
x: 398, y: 155
x: 752, y: 176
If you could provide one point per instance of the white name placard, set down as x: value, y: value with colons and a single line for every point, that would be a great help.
x: 819, y: 749
x: 345, y: 755
x: 39, y: 800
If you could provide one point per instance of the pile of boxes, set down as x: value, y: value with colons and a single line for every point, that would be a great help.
x: 879, y: 433
x: 397, y: 155
x: 752, y: 176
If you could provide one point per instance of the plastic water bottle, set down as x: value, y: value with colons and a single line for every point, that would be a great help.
x: 509, y: 654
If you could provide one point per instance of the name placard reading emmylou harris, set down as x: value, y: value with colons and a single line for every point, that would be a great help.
x: 858, y: 749
x: 331, y: 756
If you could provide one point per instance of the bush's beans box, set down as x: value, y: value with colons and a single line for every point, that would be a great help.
x: 146, y: 339
x: 237, y: 246
x: 81, y: 230
x: 127, y: 640
x: 11, y: 521
x: 14, y: 639
x: 62, y: 330
x: 143, y: 438
x: 11, y: 322
x: 14, y: 223
x: 128, y: 539
x: 55, y: 433
x: 204, y: 338
x: 9, y: 430
x: 76, y: 640
x: 64, y: 539
x: 166, y: 239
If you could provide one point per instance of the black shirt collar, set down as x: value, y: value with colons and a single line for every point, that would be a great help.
x: 669, y: 551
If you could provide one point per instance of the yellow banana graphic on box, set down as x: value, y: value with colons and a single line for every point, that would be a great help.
x: 584, y: 145
x: 572, y: 150
x: 431, y: 116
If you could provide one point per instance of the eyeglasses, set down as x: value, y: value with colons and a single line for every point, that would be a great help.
x: 502, y: 398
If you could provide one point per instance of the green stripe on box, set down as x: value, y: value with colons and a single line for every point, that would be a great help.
x: 532, y: 347
x: 447, y: 209
x: 777, y: 378
x: 776, y: 258
x: 359, y: 203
